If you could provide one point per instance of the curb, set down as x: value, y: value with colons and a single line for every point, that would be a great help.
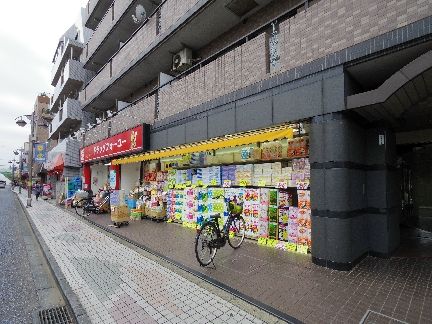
x: 72, y: 302
x: 264, y: 307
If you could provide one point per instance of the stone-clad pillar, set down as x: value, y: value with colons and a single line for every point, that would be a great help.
x: 353, y: 191
x: 338, y: 196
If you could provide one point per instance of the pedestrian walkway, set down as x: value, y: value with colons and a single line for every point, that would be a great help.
x: 376, y: 289
x: 117, y: 284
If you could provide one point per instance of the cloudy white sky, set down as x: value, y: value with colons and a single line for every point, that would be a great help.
x: 29, y: 33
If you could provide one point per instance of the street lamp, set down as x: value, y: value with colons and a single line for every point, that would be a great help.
x: 20, y: 167
x: 21, y: 122
x: 13, y: 170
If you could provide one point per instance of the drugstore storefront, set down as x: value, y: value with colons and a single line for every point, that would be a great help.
x: 267, y: 169
x: 96, y: 159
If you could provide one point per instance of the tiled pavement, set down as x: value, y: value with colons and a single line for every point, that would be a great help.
x: 391, y: 290
x: 399, y: 287
x: 118, y: 284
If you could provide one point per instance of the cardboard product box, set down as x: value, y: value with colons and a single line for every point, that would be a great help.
x: 119, y: 214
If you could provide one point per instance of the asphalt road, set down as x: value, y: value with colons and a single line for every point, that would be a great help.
x: 26, y: 285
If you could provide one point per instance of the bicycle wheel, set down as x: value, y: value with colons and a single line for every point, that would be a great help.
x: 237, y: 230
x: 203, y: 250
x: 80, y: 208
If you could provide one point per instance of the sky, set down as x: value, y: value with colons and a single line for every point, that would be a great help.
x: 29, y: 34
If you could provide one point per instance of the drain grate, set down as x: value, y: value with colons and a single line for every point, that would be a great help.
x: 57, y: 315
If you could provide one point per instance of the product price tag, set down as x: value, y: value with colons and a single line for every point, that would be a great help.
x: 282, y: 185
x: 199, y: 183
x: 261, y: 183
x: 291, y: 247
x: 271, y: 242
x: 193, y: 186
x: 170, y: 186
x: 303, y: 249
x: 178, y: 186
x: 262, y: 241
x: 169, y: 220
x: 243, y: 183
x: 213, y: 182
x: 205, y: 186
x: 188, y: 183
x: 227, y: 183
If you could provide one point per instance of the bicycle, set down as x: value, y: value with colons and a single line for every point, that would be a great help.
x: 85, y: 206
x: 210, y: 237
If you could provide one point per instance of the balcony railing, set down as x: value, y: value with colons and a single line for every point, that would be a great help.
x: 72, y: 49
x: 94, y: 12
x: 72, y: 79
x: 112, y: 16
x: 170, y: 12
x: 69, y: 115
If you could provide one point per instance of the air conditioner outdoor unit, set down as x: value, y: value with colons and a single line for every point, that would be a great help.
x: 182, y: 60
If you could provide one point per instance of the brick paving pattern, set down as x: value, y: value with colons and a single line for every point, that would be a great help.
x: 116, y: 284
x: 399, y: 287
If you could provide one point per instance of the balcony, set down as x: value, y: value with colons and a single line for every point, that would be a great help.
x: 149, y: 50
x: 116, y: 27
x: 69, y: 83
x: 95, y: 10
x: 68, y: 117
x: 72, y: 50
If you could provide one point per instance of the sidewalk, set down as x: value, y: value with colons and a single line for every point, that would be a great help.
x: 118, y: 284
x: 395, y: 290
x: 400, y: 288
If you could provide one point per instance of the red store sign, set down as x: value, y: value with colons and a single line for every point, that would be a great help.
x: 129, y: 141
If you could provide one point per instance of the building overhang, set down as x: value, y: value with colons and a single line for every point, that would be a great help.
x: 403, y: 101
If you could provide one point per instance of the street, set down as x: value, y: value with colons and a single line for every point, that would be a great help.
x: 26, y: 284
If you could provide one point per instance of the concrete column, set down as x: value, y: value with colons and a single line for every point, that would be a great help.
x: 354, y: 191
x: 338, y: 191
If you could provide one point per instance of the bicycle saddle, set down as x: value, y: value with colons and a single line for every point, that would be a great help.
x: 215, y: 216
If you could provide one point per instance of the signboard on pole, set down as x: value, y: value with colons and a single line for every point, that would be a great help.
x: 40, y: 152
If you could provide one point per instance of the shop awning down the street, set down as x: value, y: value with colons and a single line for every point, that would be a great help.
x: 267, y: 134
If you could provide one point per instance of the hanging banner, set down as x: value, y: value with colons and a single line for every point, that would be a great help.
x: 129, y: 141
x: 40, y: 152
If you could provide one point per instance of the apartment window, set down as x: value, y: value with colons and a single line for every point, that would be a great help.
x: 60, y: 114
x: 112, y: 11
x: 110, y: 68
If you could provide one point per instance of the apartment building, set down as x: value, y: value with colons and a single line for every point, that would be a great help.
x: 354, y: 75
x: 68, y: 76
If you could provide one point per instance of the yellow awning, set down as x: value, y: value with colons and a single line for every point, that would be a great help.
x: 268, y: 134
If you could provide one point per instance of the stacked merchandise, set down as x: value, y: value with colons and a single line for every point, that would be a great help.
x: 298, y: 147
x: 211, y: 176
x: 228, y: 173
x: 175, y: 203
x: 271, y: 151
x: 285, y: 202
x: 273, y: 214
x: 263, y: 219
x: 252, y: 212
x: 216, y: 202
x: 262, y: 174
x: 244, y: 175
x: 301, y: 172
x: 304, y: 218
x: 190, y: 206
x: 202, y: 209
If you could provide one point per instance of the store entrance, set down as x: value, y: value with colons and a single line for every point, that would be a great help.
x: 415, y: 161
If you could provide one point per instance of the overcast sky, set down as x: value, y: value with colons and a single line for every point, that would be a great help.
x: 29, y: 33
